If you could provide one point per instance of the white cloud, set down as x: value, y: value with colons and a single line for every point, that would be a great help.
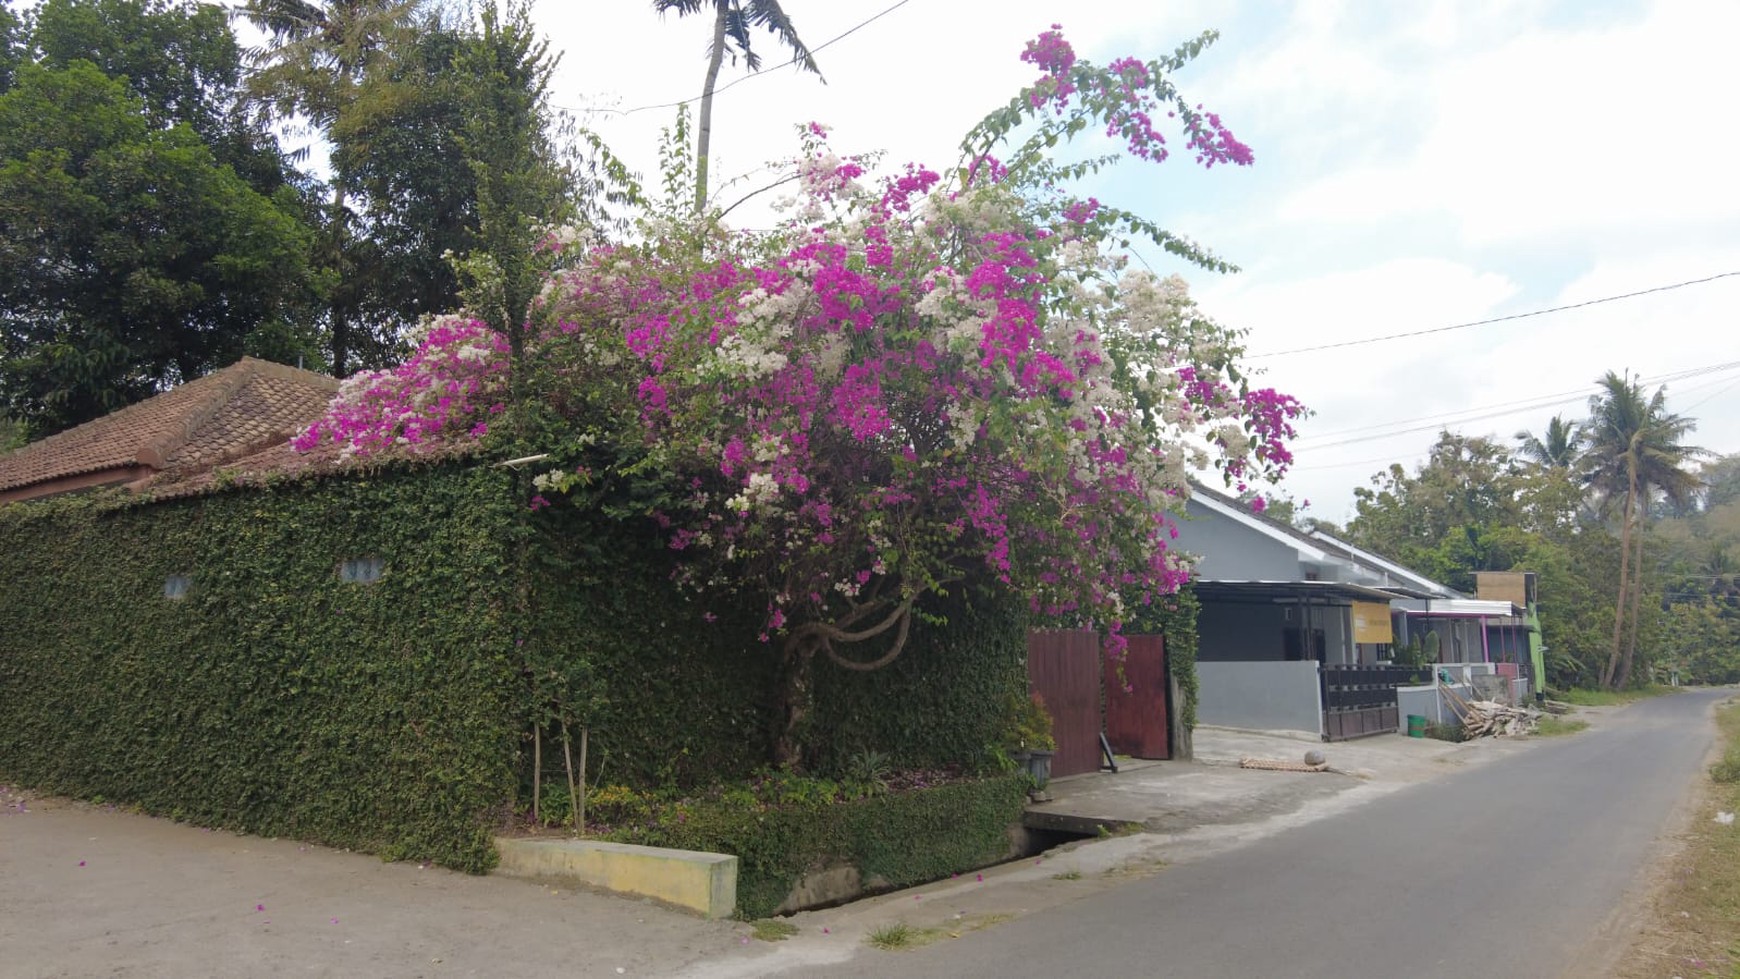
x: 1558, y: 134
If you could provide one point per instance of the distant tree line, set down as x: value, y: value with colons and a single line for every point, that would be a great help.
x: 1629, y: 528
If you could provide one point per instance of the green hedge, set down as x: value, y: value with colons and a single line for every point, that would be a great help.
x: 903, y: 838
x: 274, y: 698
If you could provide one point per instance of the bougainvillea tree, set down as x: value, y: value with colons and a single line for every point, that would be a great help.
x: 914, y: 382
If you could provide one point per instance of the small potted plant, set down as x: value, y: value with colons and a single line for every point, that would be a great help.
x: 1034, y: 740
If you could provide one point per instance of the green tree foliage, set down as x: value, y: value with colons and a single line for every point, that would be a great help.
x: 521, y: 183
x: 130, y: 259
x: 13, y: 32
x: 329, y: 66
x: 179, y: 58
x: 733, y: 21
x: 1471, y: 507
x: 1445, y: 519
x: 443, y: 145
x: 1557, y: 446
x: 1721, y: 479
x: 1634, y: 455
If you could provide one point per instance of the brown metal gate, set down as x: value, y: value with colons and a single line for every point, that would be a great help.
x: 1063, y: 668
x: 1137, y: 723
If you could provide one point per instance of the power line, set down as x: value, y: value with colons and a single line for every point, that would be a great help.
x: 756, y: 74
x: 1486, y: 412
x: 1496, y: 319
x: 1711, y: 397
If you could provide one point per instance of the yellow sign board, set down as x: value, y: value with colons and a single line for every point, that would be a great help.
x: 1371, y: 622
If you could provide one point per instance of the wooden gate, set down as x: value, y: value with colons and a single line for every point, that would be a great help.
x: 1137, y: 723
x: 1063, y: 668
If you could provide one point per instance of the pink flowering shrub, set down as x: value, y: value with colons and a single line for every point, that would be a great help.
x: 449, y: 390
x: 910, y: 383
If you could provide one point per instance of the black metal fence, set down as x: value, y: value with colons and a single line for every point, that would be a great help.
x: 1361, y: 700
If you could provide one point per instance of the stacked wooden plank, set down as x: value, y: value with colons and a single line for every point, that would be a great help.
x: 1489, y: 718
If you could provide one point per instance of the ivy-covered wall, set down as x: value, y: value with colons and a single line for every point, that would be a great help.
x: 667, y: 697
x: 942, y: 702
x: 676, y: 691
x: 274, y: 697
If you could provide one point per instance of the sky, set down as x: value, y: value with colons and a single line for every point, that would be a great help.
x: 1418, y: 166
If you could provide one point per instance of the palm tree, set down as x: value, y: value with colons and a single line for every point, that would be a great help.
x: 1556, y: 448
x: 317, y: 66
x: 732, y: 20
x: 1634, y: 453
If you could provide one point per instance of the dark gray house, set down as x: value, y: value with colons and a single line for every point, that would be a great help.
x: 1293, y: 623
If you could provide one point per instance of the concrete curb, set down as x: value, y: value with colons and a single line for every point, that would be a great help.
x: 702, y: 882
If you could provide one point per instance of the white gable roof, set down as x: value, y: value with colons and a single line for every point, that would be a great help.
x: 1240, y: 515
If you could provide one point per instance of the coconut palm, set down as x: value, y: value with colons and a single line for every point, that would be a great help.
x: 1554, y: 448
x: 1634, y: 454
x: 732, y: 21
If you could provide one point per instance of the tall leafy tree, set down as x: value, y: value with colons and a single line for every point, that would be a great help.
x: 522, y: 185
x: 1441, y: 519
x: 130, y: 259
x: 1556, y: 447
x: 733, y: 23
x: 182, y: 60
x: 13, y: 32
x: 327, y: 66
x: 1721, y: 479
x: 1635, y: 453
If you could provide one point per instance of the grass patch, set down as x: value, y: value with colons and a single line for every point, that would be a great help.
x: 1452, y: 732
x: 1067, y: 875
x: 1551, y: 727
x: 900, y: 935
x: 1694, y: 927
x: 773, y: 930
x: 1612, y: 698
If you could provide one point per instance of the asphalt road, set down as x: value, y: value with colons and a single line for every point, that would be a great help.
x: 1520, y: 867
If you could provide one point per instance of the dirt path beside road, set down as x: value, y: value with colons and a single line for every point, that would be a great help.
x: 87, y: 891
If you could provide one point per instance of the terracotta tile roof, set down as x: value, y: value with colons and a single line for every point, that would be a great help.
x: 235, y: 412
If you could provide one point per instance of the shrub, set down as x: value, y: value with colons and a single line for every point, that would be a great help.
x: 897, y: 838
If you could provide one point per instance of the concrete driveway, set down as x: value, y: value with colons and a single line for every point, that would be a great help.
x: 87, y: 891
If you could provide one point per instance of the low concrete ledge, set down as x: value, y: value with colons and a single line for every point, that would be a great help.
x: 702, y: 882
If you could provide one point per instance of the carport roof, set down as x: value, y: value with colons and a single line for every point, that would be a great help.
x: 1291, y: 591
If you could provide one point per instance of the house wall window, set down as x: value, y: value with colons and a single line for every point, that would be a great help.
x: 360, y: 570
x: 176, y: 585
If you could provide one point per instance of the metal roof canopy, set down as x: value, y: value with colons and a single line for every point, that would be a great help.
x: 1290, y: 591
x: 1476, y: 608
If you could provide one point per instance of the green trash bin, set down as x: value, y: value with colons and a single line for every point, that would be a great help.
x: 1416, y: 726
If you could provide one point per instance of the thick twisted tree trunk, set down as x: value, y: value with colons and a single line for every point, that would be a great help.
x: 795, y: 699
x: 797, y: 660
